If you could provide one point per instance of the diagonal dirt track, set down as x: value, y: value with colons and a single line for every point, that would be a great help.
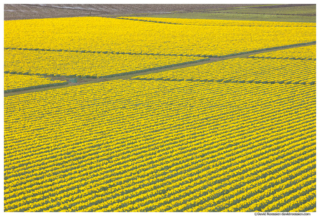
x: 81, y: 81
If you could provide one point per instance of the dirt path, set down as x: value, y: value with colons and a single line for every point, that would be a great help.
x: 81, y: 81
x: 36, y: 11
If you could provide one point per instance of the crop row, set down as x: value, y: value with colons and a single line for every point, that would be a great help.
x: 159, y: 146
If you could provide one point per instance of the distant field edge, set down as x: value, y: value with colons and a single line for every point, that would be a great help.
x: 173, y: 23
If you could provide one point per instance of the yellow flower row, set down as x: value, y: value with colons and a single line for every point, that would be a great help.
x: 244, y: 69
x: 306, y: 52
x: 29, y: 180
x: 118, y: 35
x: 109, y: 111
x: 211, y: 22
x: 250, y: 177
x: 309, y: 205
x: 216, y: 189
x: 47, y: 166
x: 158, y: 146
x: 18, y: 81
x: 85, y: 64
x: 181, y: 182
x: 288, y: 200
x: 310, y: 193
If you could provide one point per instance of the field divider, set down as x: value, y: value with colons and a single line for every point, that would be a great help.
x: 106, y: 52
x: 227, y: 81
x: 161, y: 22
x: 284, y: 58
x: 194, y: 55
x: 35, y: 87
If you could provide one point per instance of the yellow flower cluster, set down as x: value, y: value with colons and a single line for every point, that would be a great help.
x: 161, y: 146
x: 85, y: 64
x: 244, y: 69
x: 305, y: 52
x: 118, y: 35
x: 211, y: 22
x: 23, y: 82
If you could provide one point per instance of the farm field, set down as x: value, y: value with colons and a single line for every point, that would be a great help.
x: 149, y: 37
x: 160, y: 146
x: 275, y: 13
x: 132, y: 112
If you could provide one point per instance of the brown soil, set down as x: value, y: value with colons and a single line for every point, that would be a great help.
x: 33, y: 11
x: 266, y: 13
x: 280, y: 6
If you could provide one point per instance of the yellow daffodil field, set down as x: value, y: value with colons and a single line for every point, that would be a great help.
x: 154, y: 146
x: 129, y: 36
x: 168, y: 115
